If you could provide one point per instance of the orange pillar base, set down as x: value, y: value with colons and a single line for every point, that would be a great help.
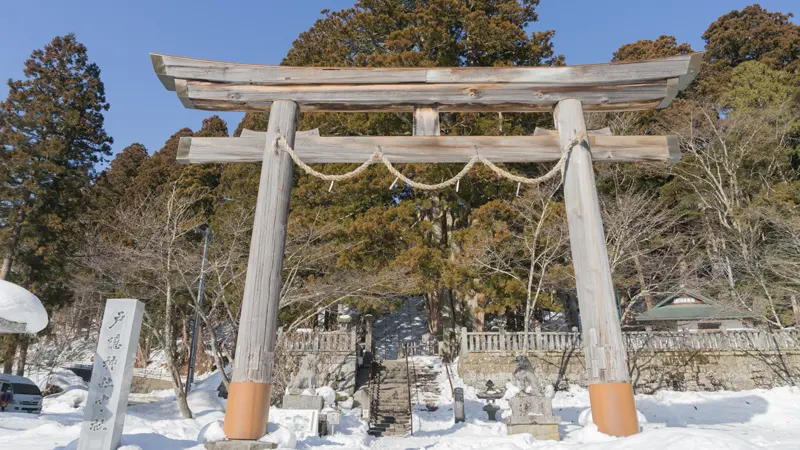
x: 248, y: 410
x: 613, y: 409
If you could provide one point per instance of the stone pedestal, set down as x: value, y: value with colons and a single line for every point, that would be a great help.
x: 533, y: 414
x: 542, y: 432
x: 303, y: 402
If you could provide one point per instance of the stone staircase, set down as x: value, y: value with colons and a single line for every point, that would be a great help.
x: 424, y: 387
x: 391, y: 416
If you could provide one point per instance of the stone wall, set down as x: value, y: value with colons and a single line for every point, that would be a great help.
x: 651, y: 371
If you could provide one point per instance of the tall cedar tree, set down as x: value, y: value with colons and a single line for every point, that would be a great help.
x: 52, y: 136
x: 752, y: 34
x: 397, y: 34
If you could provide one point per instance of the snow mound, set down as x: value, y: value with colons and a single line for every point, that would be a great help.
x: 328, y: 394
x: 590, y: 434
x: 280, y: 435
x: 677, y: 438
x: 211, y: 432
x: 19, y: 305
x: 72, y: 398
x: 64, y: 379
x: 585, y: 418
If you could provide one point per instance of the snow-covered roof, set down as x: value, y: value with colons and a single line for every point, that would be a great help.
x: 20, y: 310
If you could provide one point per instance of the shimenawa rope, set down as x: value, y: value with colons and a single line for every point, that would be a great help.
x: 279, y: 143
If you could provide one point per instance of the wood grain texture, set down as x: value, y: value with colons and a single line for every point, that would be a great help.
x: 390, y: 97
x: 255, y: 345
x: 168, y: 68
x: 606, y: 360
x: 249, y: 106
x: 426, y: 122
x: 426, y: 149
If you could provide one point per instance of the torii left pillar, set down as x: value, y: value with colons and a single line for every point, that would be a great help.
x: 247, y: 413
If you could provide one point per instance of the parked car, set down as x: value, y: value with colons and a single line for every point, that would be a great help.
x: 25, y: 394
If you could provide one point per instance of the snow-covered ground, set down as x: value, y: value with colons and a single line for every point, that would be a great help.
x: 674, y: 420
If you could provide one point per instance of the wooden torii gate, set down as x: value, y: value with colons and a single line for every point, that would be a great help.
x: 566, y: 91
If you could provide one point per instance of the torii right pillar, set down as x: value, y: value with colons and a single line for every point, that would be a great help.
x: 610, y: 391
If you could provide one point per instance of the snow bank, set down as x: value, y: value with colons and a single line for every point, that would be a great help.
x: 19, y: 305
x: 328, y: 394
x: 675, y: 438
x: 763, y: 419
x: 211, y: 432
x: 71, y: 399
x: 278, y: 434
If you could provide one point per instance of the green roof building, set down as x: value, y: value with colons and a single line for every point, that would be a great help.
x: 689, y: 310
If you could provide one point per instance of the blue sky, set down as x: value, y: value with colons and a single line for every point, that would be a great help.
x: 120, y: 33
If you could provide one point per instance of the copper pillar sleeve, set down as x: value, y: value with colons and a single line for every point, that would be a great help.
x: 613, y: 409
x: 248, y: 410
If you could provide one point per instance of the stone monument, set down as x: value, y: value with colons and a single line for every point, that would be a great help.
x: 104, y: 414
x: 306, y: 377
x: 458, y: 407
x: 532, y: 409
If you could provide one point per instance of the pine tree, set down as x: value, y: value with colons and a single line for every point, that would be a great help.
x: 52, y: 136
x: 51, y: 127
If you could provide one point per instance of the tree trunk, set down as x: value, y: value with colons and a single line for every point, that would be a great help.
x: 434, y: 311
x: 648, y: 296
x: 169, y: 353
x: 186, y: 341
x: 8, y: 259
x: 795, y: 310
x: 217, y: 353
x: 9, y: 350
x: 528, y: 305
x: 22, y: 359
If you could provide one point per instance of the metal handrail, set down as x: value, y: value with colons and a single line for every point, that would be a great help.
x: 373, y: 392
x: 408, y: 384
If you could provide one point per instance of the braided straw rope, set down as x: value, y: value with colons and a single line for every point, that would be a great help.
x: 279, y: 143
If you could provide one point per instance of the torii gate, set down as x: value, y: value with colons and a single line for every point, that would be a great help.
x: 566, y: 91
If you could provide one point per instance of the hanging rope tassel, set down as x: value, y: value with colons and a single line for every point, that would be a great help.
x: 331, y: 187
x: 394, y: 183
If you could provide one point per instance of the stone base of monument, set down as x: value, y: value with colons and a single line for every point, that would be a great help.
x: 540, y: 431
x: 533, y: 414
x: 240, y: 445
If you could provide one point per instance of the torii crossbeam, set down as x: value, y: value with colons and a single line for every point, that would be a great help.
x: 566, y: 91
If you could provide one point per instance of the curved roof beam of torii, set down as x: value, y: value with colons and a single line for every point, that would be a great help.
x: 223, y: 86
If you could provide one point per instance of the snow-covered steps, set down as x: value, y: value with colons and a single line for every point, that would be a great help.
x: 392, y: 402
x: 424, y: 383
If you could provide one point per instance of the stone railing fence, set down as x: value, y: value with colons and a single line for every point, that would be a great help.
x: 418, y: 348
x: 754, y: 340
x: 320, y: 342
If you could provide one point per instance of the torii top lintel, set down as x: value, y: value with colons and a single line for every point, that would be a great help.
x: 623, y: 86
